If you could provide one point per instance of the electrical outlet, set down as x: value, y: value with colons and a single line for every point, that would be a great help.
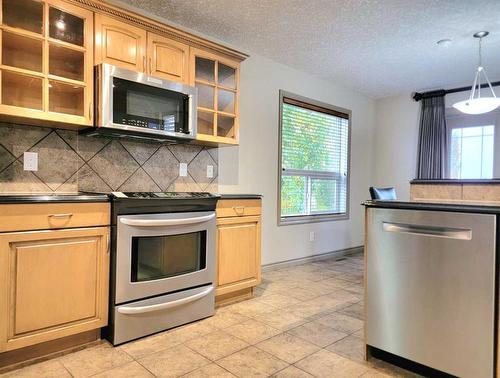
x: 312, y: 236
x: 210, y: 171
x: 183, y: 169
x: 30, y: 161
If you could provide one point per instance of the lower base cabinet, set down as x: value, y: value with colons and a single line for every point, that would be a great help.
x: 238, y: 249
x: 54, y: 283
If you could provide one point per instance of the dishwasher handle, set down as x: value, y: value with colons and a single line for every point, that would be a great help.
x: 432, y: 231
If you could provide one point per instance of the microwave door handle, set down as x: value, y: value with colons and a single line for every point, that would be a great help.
x: 165, y: 222
x: 163, y: 306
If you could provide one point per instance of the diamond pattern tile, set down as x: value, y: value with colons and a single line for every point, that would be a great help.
x: 15, y: 179
x: 113, y: 164
x: 19, y: 138
x: 5, y: 158
x: 140, y: 151
x: 198, y: 169
x: 139, y: 182
x: 57, y: 162
x: 163, y: 167
x: 84, y: 146
x: 184, y: 152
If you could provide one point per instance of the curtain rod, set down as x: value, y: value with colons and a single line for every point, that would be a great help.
x: 442, y: 92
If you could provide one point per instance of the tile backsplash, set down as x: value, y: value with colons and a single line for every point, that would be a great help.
x: 68, y: 162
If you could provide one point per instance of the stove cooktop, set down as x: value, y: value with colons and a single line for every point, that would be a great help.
x: 163, y: 195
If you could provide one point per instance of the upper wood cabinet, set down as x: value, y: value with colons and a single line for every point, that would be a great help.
x: 46, y: 61
x: 119, y: 43
x: 168, y: 59
x: 217, y: 80
x: 127, y: 46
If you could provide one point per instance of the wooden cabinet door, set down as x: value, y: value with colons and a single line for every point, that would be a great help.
x: 238, y: 253
x: 119, y: 43
x: 168, y: 59
x: 54, y: 283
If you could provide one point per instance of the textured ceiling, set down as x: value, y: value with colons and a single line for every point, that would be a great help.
x: 379, y: 47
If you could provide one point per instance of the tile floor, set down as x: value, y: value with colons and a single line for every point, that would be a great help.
x: 306, y: 321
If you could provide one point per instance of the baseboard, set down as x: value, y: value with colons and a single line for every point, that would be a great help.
x: 329, y: 255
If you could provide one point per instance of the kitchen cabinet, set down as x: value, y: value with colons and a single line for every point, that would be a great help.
x: 238, y: 249
x: 133, y: 48
x: 217, y: 80
x: 46, y: 61
x: 119, y: 43
x: 53, y: 282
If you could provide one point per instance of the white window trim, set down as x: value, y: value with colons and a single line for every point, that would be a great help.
x: 319, y: 217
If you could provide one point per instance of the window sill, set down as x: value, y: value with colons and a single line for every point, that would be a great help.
x: 286, y: 221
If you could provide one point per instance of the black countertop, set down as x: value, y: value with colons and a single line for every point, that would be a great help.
x: 6, y: 198
x: 240, y: 196
x: 453, y: 206
x: 456, y: 181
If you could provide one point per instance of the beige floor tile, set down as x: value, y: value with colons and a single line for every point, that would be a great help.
x: 328, y: 364
x: 94, y: 360
x: 341, y: 322
x: 323, y: 287
x: 216, y: 345
x: 209, y: 371
x: 224, y: 319
x: 252, y: 331
x: 318, y: 333
x: 292, y: 372
x: 331, y: 303
x: 352, y: 276
x: 307, y: 310
x: 281, y: 320
x: 351, y: 347
x: 287, y: 347
x: 304, y: 294
x: 130, y: 370
x: 337, y: 283
x: 191, y: 331
x: 253, y: 307
x: 47, y: 369
x: 356, y: 310
x: 151, y: 344
x: 372, y: 373
x: 252, y: 362
x: 360, y: 333
x: 280, y: 300
x: 173, y: 362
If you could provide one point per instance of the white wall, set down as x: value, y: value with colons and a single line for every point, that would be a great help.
x: 252, y: 167
x: 395, y: 143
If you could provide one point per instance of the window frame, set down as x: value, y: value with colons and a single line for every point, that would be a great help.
x: 314, y: 105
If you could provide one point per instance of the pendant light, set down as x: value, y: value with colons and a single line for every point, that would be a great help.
x: 477, y: 104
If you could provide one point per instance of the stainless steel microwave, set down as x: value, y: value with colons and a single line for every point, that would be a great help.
x: 133, y: 104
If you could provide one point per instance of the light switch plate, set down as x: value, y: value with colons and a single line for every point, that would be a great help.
x: 30, y: 161
x: 183, y: 169
x: 210, y: 171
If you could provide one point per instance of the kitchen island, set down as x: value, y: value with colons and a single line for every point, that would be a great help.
x: 430, y: 285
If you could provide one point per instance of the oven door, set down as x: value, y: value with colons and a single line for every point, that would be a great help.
x: 158, y: 254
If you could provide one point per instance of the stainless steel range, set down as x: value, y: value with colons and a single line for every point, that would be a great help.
x: 162, y: 262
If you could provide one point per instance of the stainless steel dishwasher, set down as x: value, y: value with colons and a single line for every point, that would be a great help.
x: 430, y: 288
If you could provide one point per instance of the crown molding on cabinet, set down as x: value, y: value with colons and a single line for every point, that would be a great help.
x: 160, y: 28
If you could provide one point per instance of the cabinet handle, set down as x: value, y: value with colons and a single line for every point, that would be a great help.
x: 90, y: 110
x: 109, y: 244
x: 60, y: 216
x: 144, y: 63
x: 239, y: 209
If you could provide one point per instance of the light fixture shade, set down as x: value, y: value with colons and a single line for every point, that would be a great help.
x: 478, y: 105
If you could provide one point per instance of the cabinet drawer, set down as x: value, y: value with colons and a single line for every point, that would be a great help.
x: 41, y: 216
x: 238, y: 208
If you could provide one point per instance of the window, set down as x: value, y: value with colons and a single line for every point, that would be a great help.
x: 314, y: 161
x: 471, y: 152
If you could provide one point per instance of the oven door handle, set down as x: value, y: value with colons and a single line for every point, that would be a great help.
x: 165, y: 222
x: 163, y: 306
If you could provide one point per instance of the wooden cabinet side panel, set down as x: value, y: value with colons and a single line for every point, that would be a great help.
x: 119, y: 43
x: 54, y: 283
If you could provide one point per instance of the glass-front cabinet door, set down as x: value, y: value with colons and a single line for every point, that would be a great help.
x: 217, y: 81
x: 46, y: 61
